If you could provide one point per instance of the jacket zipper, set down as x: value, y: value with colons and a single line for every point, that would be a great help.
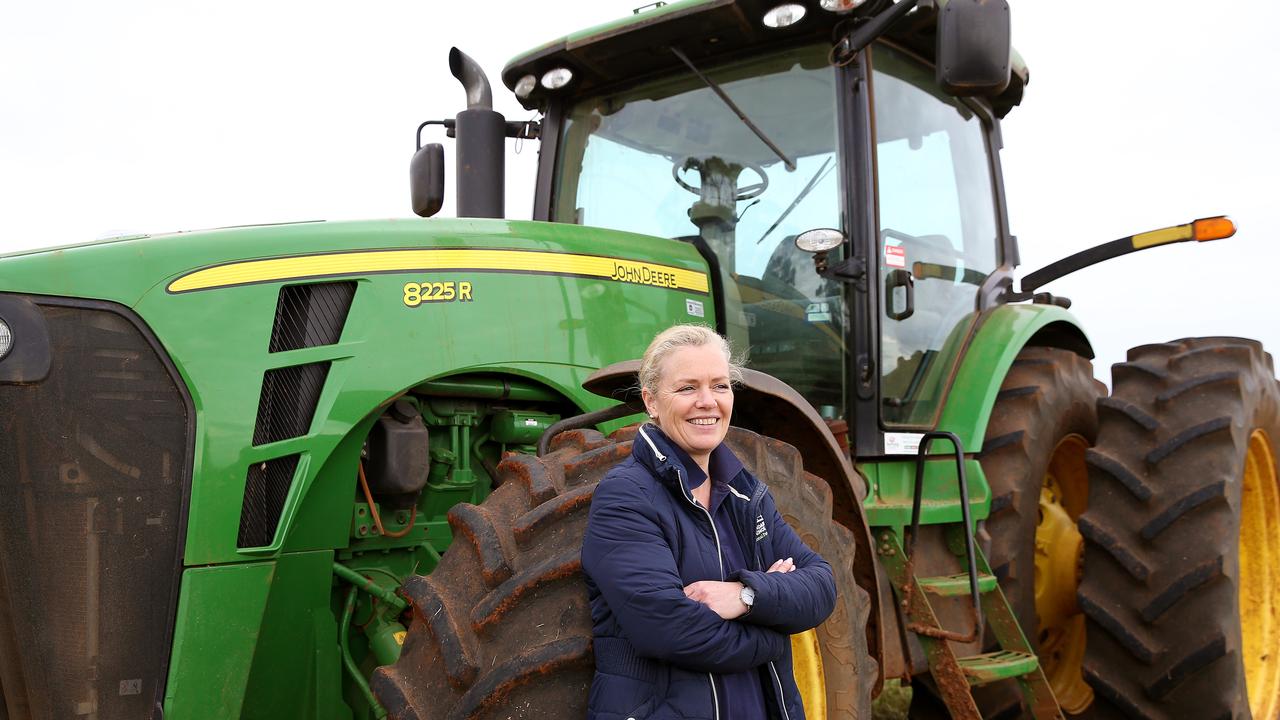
x: 754, y: 509
x: 715, y: 698
x: 782, y: 700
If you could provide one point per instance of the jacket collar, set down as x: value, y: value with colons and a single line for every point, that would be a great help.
x: 675, y: 468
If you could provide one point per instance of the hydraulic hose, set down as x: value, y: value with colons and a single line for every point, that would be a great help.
x: 348, y: 609
x: 363, y: 583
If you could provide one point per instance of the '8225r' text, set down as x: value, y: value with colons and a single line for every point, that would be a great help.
x: 416, y: 294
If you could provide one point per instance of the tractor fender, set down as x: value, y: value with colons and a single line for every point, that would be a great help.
x: 1002, y: 333
x: 770, y: 407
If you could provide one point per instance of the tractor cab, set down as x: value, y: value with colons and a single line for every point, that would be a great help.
x: 738, y: 127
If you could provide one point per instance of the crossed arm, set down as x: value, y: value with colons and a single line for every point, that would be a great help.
x: 795, y: 594
x: 626, y: 556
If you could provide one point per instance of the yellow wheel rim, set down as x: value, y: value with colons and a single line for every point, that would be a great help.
x: 806, y: 663
x: 1259, y: 596
x: 1064, y: 495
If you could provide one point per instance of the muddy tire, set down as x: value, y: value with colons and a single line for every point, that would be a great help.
x: 1043, y: 419
x: 1186, y: 449
x: 502, y: 628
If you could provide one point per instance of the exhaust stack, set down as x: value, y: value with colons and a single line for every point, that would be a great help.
x: 480, y: 133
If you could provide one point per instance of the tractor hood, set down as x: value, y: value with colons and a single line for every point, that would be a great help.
x: 124, y: 270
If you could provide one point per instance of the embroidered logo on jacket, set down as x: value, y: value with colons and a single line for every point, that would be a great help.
x: 761, y: 533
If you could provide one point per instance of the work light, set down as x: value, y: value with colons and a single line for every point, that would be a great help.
x: 784, y: 15
x: 556, y: 78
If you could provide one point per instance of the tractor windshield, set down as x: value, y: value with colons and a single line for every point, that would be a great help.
x: 670, y: 158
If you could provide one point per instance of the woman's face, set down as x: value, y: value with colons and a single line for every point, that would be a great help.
x: 694, y: 399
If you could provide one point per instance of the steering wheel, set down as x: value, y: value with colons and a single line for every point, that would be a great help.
x: 744, y: 193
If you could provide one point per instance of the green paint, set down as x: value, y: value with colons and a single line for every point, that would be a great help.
x: 992, y: 667
x: 1002, y: 334
x: 955, y: 585
x: 256, y: 640
x: 893, y: 485
x: 617, y: 27
x: 219, y: 620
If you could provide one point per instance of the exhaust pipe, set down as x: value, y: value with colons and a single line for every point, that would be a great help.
x: 481, y: 135
x: 468, y: 72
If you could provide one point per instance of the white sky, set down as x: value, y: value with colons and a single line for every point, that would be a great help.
x: 155, y: 116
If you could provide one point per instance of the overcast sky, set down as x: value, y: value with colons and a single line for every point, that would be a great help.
x: 136, y: 116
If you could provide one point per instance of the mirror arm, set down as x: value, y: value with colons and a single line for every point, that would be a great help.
x: 850, y: 270
x: 1202, y: 230
x: 866, y: 33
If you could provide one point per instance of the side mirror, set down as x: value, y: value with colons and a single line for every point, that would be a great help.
x: 426, y: 180
x: 974, y: 47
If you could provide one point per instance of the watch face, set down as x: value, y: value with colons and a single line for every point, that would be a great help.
x: 748, y: 596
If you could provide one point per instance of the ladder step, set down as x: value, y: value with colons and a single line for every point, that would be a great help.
x: 1000, y: 665
x: 954, y: 585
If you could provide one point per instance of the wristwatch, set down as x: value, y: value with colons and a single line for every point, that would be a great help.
x: 748, y: 597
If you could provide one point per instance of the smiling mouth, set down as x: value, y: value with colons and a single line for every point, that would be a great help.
x: 705, y: 421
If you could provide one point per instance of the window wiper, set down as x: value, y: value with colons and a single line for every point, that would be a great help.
x: 803, y: 194
x: 790, y: 164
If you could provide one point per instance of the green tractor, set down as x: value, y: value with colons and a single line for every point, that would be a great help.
x: 341, y: 470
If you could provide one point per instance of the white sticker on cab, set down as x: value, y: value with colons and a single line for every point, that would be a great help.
x: 902, y: 443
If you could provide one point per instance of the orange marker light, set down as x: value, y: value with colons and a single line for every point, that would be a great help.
x: 1214, y: 228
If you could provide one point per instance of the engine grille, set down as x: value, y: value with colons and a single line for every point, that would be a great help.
x: 288, y: 401
x: 265, y: 489
x: 94, y: 469
x: 311, y: 315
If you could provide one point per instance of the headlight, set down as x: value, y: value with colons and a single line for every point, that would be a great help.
x: 6, y: 338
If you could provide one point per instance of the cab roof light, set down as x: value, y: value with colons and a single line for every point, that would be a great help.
x: 841, y: 6
x: 525, y: 86
x: 784, y: 15
x: 556, y: 78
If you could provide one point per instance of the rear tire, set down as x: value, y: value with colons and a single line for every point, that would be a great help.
x: 502, y: 628
x: 1186, y: 449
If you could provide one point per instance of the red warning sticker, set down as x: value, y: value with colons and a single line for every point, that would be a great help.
x: 895, y: 256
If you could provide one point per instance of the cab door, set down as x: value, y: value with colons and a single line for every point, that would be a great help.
x: 938, y: 233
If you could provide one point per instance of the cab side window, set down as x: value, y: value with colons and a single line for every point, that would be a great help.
x: 938, y: 235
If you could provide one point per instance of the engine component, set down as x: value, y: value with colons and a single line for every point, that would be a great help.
x: 399, y: 455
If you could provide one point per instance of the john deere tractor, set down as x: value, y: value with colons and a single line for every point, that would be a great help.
x: 341, y: 470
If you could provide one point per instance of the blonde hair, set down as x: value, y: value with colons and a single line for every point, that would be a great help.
x: 680, y: 336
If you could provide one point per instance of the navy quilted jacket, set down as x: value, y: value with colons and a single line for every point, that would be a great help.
x: 656, y: 650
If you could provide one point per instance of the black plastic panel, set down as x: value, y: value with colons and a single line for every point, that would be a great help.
x: 288, y: 401
x: 311, y: 315
x: 265, y: 489
x: 94, y: 468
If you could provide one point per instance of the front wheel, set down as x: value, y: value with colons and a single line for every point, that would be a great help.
x: 1181, y: 586
x: 501, y: 628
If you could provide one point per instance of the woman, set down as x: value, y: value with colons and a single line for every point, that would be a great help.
x: 695, y: 581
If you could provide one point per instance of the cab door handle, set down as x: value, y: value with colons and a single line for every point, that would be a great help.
x: 894, y: 280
